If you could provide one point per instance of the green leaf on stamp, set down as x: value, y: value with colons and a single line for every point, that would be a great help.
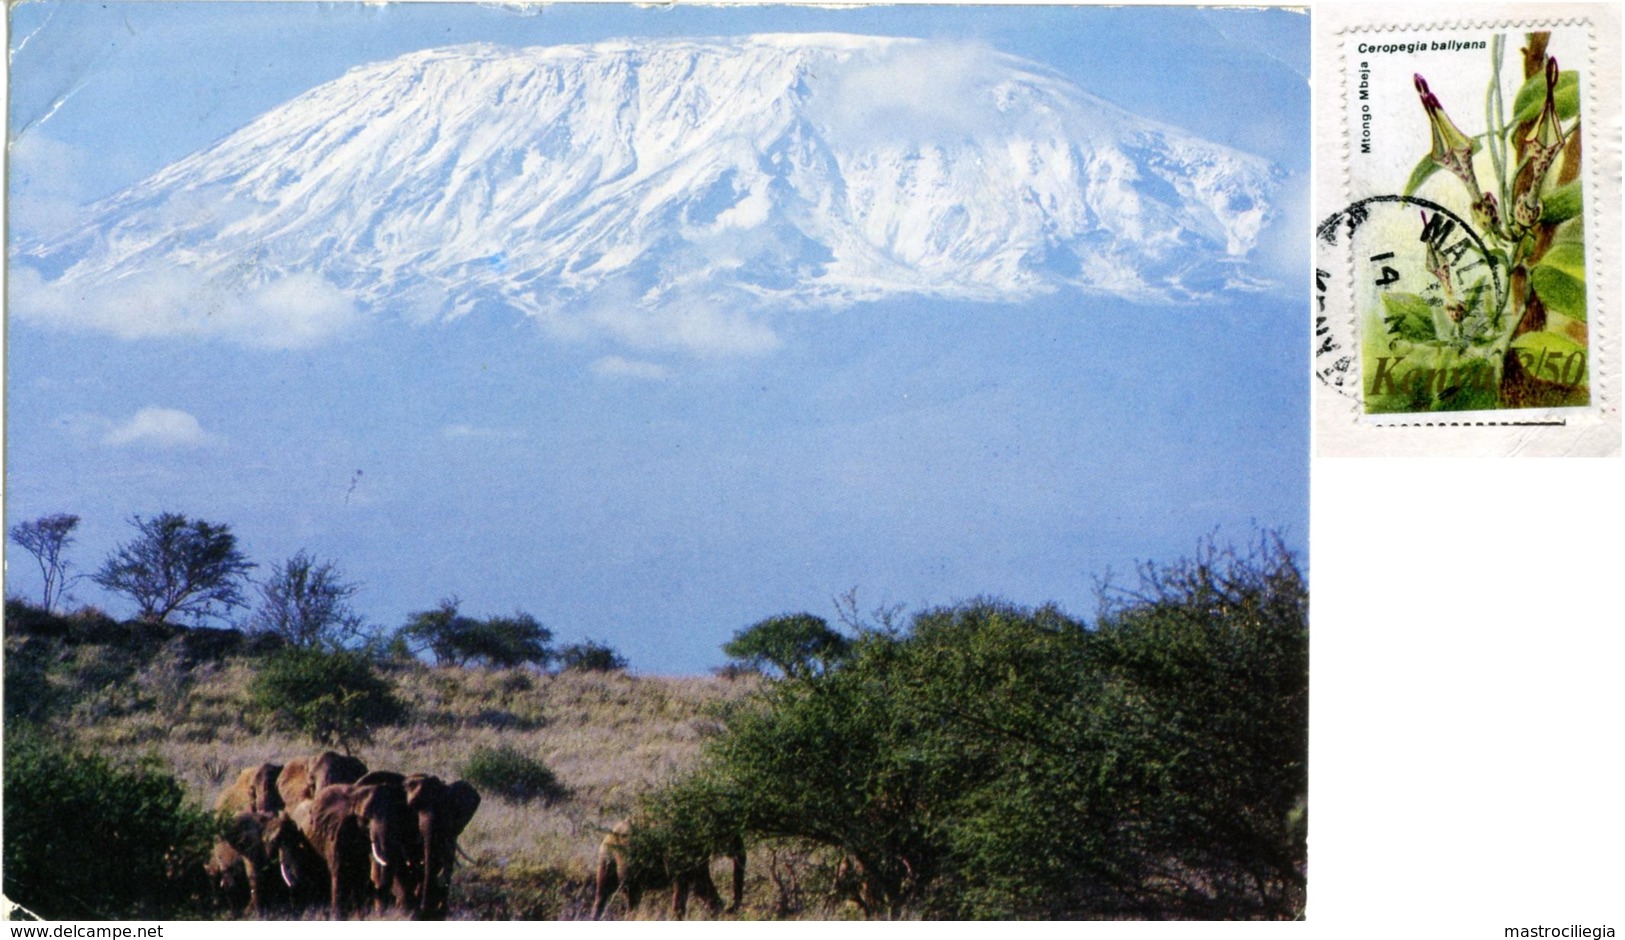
x: 1559, y: 279
x: 1420, y: 175
x: 1407, y: 316
x: 1561, y: 204
x: 1532, y: 97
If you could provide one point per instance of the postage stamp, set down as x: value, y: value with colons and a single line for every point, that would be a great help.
x: 1460, y: 281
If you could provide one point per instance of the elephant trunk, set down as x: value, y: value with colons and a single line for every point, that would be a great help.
x: 426, y: 904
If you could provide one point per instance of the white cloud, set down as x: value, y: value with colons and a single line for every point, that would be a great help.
x: 1282, y: 253
x: 159, y: 427
x: 294, y: 312
x: 47, y: 189
x: 915, y: 91
x: 459, y: 432
x: 621, y: 368
x: 710, y: 323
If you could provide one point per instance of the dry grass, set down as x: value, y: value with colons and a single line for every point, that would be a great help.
x: 608, y: 737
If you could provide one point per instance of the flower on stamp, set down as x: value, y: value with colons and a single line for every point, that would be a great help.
x: 1507, y: 301
x: 1541, y: 148
x: 1454, y: 151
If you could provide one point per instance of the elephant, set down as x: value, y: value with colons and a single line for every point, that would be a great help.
x: 242, y: 866
x: 254, y: 791
x: 850, y: 882
x: 618, y: 866
x: 293, y: 783
x: 443, y: 812
x: 302, y: 868
x: 392, y: 778
x: 303, y: 777
x: 402, y: 882
x: 366, y: 837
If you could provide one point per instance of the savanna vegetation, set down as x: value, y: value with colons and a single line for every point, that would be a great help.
x: 971, y: 761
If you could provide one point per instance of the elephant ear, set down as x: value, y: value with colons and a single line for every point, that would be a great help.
x: 424, y: 792
x: 267, y: 798
x: 293, y: 784
x: 460, y: 804
x: 246, y: 834
x: 374, y: 800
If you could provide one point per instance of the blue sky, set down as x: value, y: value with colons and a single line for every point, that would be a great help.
x: 922, y: 452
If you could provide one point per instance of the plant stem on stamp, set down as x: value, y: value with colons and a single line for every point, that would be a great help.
x: 1527, y: 346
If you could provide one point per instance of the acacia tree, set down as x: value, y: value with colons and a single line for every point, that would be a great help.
x: 46, y: 538
x: 437, y: 631
x: 177, y: 566
x: 799, y: 646
x: 307, y: 603
x: 509, y: 642
x: 499, y: 642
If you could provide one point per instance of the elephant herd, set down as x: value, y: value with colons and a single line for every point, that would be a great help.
x: 326, y: 830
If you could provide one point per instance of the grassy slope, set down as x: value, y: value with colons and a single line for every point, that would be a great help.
x: 608, y: 737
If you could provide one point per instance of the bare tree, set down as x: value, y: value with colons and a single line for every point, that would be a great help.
x: 177, y: 566
x: 307, y: 603
x: 46, y: 538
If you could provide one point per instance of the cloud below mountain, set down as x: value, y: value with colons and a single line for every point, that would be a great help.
x: 296, y: 310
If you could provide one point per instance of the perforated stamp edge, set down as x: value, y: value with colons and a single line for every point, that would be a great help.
x: 1342, y: 428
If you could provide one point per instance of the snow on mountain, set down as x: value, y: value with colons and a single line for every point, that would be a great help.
x: 667, y: 193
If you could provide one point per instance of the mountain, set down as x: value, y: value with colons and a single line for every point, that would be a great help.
x: 661, y: 190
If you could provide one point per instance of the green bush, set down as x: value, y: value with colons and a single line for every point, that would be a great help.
x: 86, y: 840
x: 512, y: 775
x: 993, y: 761
x: 29, y: 695
x: 590, y: 656
x: 333, y: 698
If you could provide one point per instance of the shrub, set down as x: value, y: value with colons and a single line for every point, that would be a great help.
x: 993, y: 761
x: 514, y: 776
x: 86, y: 840
x: 590, y: 656
x: 29, y: 695
x: 23, y: 617
x: 333, y: 698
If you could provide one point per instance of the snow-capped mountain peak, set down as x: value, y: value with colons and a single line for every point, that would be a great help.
x: 670, y: 193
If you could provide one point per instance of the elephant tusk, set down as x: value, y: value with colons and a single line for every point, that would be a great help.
x: 287, y: 879
x: 377, y: 857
